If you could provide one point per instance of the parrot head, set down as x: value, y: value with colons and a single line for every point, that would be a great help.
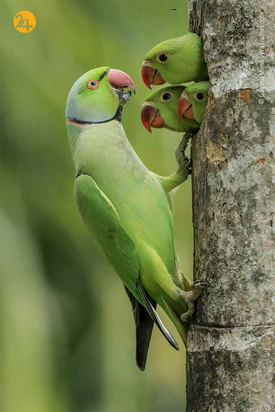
x: 175, y: 61
x: 98, y: 96
x: 193, y: 101
x: 161, y: 110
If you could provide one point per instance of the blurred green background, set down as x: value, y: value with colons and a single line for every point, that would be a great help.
x: 67, y: 336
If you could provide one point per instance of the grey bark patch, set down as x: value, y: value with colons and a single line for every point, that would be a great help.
x: 232, y: 364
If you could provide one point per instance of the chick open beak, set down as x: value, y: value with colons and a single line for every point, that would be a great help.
x: 185, y: 107
x: 150, y: 75
x: 120, y: 80
x: 150, y: 117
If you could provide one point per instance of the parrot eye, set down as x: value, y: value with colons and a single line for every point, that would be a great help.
x: 162, y: 57
x: 92, y: 84
x: 166, y: 96
x: 199, y: 96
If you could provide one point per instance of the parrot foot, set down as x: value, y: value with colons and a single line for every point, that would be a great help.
x: 190, y: 298
x: 184, y: 164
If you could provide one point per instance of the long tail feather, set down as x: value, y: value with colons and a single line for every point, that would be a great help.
x: 155, y: 317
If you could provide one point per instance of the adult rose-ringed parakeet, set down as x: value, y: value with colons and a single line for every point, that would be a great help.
x: 193, y: 101
x: 126, y: 206
x: 161, y: 110
x: 175, y: 61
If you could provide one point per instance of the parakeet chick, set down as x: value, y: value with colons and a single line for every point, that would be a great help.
x: 175, y: 61
x: 161, y: 110
x: 125, y: 205
x: 193, y: 101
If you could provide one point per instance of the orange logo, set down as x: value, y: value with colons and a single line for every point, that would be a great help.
x: 24, y: 21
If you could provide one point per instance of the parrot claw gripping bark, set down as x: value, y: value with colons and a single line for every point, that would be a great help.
x: 126, y: 206
x: 184, y: 163
x: 190, y: 297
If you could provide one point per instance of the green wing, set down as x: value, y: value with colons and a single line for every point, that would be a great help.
x: 102, y: 219
x: 100, y: 216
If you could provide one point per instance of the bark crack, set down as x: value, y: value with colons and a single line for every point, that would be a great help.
x: 231, y: 327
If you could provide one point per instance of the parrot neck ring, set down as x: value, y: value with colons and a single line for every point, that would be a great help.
x: 78, y: 122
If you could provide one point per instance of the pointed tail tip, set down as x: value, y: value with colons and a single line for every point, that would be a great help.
x: 171, y: 340
x: 175, y: 345
x: 141, y: 358
x: 141, y: 367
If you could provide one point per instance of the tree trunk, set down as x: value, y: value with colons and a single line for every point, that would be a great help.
x: 229, y: 364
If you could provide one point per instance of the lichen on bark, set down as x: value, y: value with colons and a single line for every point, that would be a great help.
x: 229, y: 345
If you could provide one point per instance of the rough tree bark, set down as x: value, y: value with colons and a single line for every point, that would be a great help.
x: 229, y: 363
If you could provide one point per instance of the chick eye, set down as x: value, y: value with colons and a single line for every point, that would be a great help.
x: 166, y: 96
x: 92, y: 84
x: 199, y: 95
x: 163, y: 57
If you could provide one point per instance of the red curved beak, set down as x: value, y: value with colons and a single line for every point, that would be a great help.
x: 150, y: 75
x: 150, y: 117
x: 185, y: 108
x: 118, y: 78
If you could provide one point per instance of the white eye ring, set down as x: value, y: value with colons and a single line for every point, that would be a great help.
x: 92, y: 84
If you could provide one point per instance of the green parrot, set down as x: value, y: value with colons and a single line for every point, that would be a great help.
x: 193, y: 101
x: 161, y: 110
x: 175, y: 61
x: 126, y: 206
